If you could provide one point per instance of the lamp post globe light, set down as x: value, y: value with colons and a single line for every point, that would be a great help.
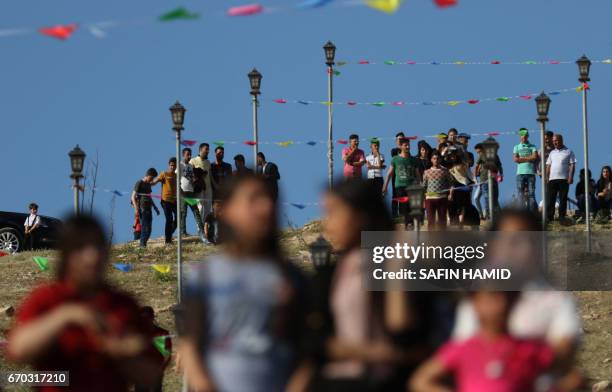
x: 177, y: 112
x: 543, y: 106
x: 490, y: 148
x: 584, y: 67
x: 320, y: 252
x: 77, y: 161
x: 330, y: 54
x: 255, y: 82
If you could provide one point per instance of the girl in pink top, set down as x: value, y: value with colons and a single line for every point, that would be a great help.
x: 492, y: 360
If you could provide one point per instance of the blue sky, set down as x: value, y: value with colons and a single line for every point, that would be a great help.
x: 112, y: 95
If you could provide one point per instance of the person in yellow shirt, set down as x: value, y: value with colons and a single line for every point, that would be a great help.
x: 201, y: 162
x: 168, y: 202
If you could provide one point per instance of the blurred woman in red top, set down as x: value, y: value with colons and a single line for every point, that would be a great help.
x: 79, y: 324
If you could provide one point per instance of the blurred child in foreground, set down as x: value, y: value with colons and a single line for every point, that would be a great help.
x: 491, y: 360
x: 242, y: 318
x: 80, y: 324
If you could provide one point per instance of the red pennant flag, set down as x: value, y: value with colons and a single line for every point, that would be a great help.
x: 364, y: 62
x: 526, y: 97
x: 554, y: 62
x: 411, y: 137
x: 411, y: 62
x: 62, y: 32
x: 188, y: 143
x: 351, y: 103
x: 495, y: 62
x: 445, y: 3
x: 473, y: 101
x: 493, y: 134
x: 342, y: 141
x: 403, y: 199
x: 250, y: 143
x: 585, y: 86
x: 280, y: 100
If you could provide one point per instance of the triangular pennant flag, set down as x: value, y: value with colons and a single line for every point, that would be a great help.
x: 304, y: 102
x: 351, y: 103
x: 280, y: 100
x: 219, y: 143
x: 336, y: 73
x: 554, y: 93
x: 62, y: 32
x: 388, y: 6
x: 343, y: 141
x: 607, y: 61
x: 326, y: 103
x: 411, y: 62
x: 403, y: 199
x: 445, y: 3
x: 298, y: 206
x: 123, y: 267
x: 313, y: 3
x: 398, y: 103
x: 179, y: 13
x: 459, y: 62
x: 245, y: 10
x: 473, y: 101
x: 285, y: 144
x: 160, y: 344
x: 250, y: 143
x: 554, y: 62
x: 502, y: 99
x: 41, y: 262
x: 390, y: 62
x: 435, y: 63
x: 340, y: 63
x: 311, y: 143
x: 379, y: 104
x: 411, y: 137
x: 493, y: 134
x: 530, y: 62
x: 118, y: 193
x: 363, y: 62
x: 495, y: 62
x: 526, y: 97
x: 453, y: 103
x: 191, y: 201
x: 188, y: 143
x: 162, y: 269
x: 427, y: 103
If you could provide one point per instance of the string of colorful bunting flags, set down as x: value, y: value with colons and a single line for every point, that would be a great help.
x: 342, y: 63
x: 100, y: 29
x: 454, y: 102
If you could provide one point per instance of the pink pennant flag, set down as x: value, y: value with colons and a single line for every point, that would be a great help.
x: 280, y: 100
x: 554, y: 62
x: 495, y: 62
x: 526, y: 97
x: 445, y: 3
x: 473, y: 101
x: 61, y: 32
x: 398, y: 103
x: 363, y: 62
x: 411, y: 62
x: 245, y: 10
x: 351, y: 103
x: 250, y: 143
x: 493, y: 134
x: 585, y: 86
x: 411, y: 137
x: 188, y: 143
x: 342, y: 141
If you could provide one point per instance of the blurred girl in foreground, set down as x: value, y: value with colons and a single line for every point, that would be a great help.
x: 241, y: 307
x: 492, y: 360
x: 79, y: 324
x: 351, y: 329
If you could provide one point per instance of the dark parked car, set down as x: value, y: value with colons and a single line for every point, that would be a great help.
x: 12, y: 232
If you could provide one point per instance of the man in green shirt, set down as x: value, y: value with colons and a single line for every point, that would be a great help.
x: 526, y: 155
x: 404, y: 170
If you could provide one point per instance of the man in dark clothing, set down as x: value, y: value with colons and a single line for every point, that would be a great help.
x: 220, y: 171
x: 395, y: 151
x: 240, y: 164
x: 269, y: 171
x: 142, y: 202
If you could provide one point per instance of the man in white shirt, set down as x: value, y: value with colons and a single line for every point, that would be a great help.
x: 188, y: 195
x: 32, y: 223
x: 376, y: 164
x: 202, y: 162
x: 560, y: 167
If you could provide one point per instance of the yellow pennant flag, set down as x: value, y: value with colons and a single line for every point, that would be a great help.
x: 285, y: 144
x: 388, y: 6
x: 579, y: 89
x: 459, y: 62
x: 162, y: 269
x: 453, y: 103
x: 607, y: 61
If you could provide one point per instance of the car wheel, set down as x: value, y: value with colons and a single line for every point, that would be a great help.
x: 10, y: 240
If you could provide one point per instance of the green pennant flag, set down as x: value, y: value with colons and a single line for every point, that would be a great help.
x: 530, y: 62
x: 336, y: 73
x: 379, y: 104
x: 219, y: 143
x: 390, y: 62
x: 503, y: 99
x: 340, y: 63
x: 179, y: 13
x: 41, y: 262
x: 160, y: 344
x: 191, y: 201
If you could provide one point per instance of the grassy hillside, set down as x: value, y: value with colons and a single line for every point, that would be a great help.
x: 19, y: 274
